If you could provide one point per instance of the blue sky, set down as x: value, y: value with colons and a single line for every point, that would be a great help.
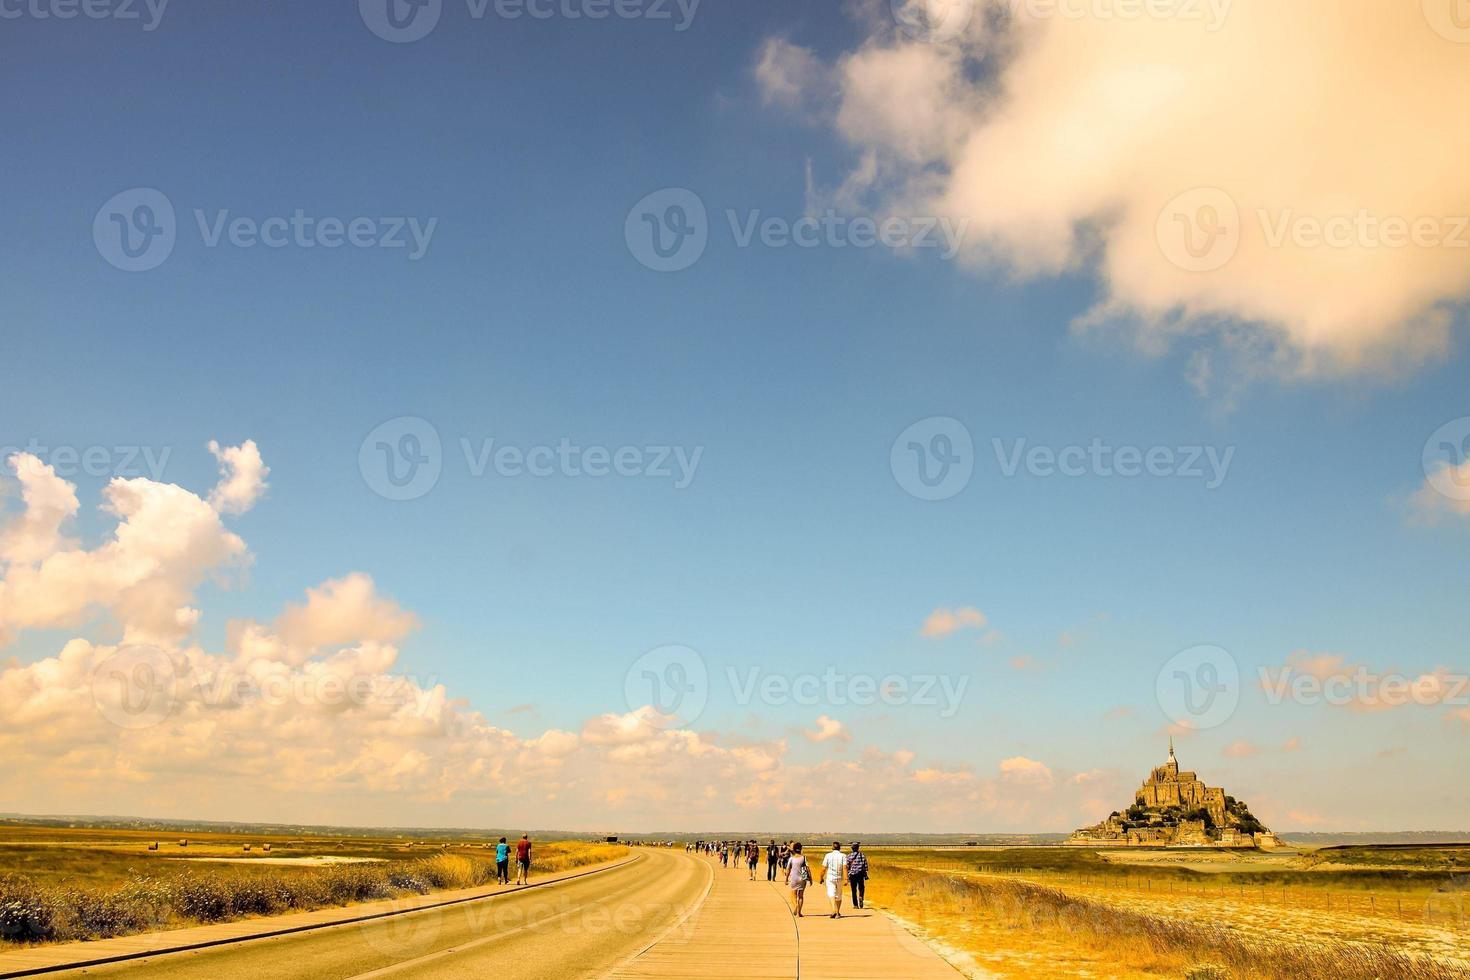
x: 794, y: 548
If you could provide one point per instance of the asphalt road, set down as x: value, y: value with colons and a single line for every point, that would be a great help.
x: 582, y: 928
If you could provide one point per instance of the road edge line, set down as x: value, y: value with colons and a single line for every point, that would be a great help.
x: 296, y: 930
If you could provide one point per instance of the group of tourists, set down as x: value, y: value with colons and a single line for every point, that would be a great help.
x: 787, y: 860
x: 523, y: 861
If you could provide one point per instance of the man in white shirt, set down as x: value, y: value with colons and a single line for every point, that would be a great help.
x: 835, y: 866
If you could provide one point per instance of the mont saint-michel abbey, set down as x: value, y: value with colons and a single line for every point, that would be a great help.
x: 1176, y: 809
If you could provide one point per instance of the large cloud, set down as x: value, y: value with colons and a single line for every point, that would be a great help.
x: 1095, y: 136
x: 167, y: 540
x: 311, y: 715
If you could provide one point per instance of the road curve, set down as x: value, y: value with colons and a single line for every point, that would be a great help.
x: 581, y: 928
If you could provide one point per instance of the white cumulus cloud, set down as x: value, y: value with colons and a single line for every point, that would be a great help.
x: 1284, y: 180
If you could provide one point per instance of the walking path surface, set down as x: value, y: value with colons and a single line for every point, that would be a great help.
x: 656, y: 914
x: 746, y: 929
x: 65, y: 956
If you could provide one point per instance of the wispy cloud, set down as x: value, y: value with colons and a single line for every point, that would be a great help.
x: 828, y: 730
x: 944, y: 622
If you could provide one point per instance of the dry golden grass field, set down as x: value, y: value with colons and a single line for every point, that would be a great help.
x: 59, y: 884
x: 1076, y: 912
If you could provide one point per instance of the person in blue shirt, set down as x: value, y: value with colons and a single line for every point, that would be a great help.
x: 502, y: 863
x: 857, y: 875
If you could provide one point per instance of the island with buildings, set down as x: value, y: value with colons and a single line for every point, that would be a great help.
x: 1176, y: 809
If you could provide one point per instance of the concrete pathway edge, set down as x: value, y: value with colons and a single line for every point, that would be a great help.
x: 963, y: 963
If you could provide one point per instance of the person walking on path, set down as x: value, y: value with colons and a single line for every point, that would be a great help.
x: 798, y: 876
x: 752, y: 857
x: 773, y: 856
x: 835, y: 866
x: 857, y: 874
x: 502, y: 863
x: 523, y: 860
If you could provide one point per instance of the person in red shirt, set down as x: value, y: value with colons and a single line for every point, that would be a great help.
x: 523, y: 860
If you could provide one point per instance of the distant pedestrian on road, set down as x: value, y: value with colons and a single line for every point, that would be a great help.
x: 523, y: 860
x: 502, y: 863
x: 857, y: 874
x: 773, y: 856
x: 752, y: 857
x: 798, y: 876
x: 835, y: 866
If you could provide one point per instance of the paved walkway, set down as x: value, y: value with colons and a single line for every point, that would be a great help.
x: 743, y: 929
x: 746, y: 929
x: 48, y: 959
